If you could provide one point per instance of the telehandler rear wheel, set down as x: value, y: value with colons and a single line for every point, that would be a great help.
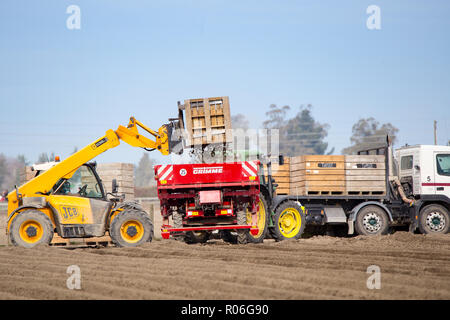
x: 131, y: 228
x: 31, y: 228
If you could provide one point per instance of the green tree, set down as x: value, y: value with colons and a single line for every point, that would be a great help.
x: 3, y: 170
x: 299, y: 135
x: 239, y: 121
x: 368, y: 133
x: 21, y: 163
x: 304, y: 135
x: 44, y: 157
x: 276, y: 117
x: 144, y: 175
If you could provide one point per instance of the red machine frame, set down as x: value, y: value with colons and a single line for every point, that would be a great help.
x: 212, y: 193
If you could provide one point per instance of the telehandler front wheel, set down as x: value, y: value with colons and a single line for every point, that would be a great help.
x: 31, y: 228
x: 289, y: 221
x: 131, y: 228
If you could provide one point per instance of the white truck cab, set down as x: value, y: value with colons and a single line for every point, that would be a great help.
x: 424, y: 169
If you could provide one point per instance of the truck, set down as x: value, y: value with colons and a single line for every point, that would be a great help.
x: 416, y: 196
x: 225, y: 198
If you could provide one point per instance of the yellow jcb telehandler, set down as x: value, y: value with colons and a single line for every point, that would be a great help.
x: 69, y: 197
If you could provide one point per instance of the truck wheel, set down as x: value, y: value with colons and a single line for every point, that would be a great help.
x: 131, y: 228
x: 434, y: 219
x: 263, y: 221
x: 196, y: 237
x: 31, y: 228
x: 289, y: 221
x: 372, y: 220
x: 242, y: 234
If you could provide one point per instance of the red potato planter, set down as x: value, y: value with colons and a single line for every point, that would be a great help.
x: 202, y: 198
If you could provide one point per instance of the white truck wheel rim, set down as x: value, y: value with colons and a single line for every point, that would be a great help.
x: 436, y: 221
x: 372, y: 222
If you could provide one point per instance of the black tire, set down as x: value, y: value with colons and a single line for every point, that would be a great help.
x: 242, y: 234
x: 261, y: 234
x: 139, y: 228
x: 281, y: 230
x: 228, y: 236
x: 434, y: 219
x: 196, y: 237
x: 37, y: 226
x: 177, y: 219
x: 372, y: 221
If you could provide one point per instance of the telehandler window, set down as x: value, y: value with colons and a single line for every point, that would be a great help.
x: 83, y: 183
x: 443, y: 164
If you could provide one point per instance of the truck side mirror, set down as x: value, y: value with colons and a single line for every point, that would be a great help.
x: 417, y: 167
x: 115, y: 186
x: 280, y: 159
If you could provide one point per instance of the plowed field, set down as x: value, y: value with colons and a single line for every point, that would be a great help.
x: 321, y: 267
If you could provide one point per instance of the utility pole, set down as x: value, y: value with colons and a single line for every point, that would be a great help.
x: 435, y: 132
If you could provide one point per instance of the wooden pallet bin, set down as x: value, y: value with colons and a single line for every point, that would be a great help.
x: 93, y: 241
x: 281, y: 174
x: 365, y: 174
x: 207, y: 121
x: 317, y: 175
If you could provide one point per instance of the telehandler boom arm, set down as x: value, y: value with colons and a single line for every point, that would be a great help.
x: 43, y: 183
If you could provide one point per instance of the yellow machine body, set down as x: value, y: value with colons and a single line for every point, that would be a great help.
x: 72, y: 209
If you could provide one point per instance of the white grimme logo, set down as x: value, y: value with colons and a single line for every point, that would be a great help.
x: 74, y: 280
x: 374, y: 20
x: 374, y: 280
x: 205, y: 170
x: 73, y: 22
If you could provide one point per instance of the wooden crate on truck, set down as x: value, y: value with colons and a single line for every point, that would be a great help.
x: 317, y: 175
x: 365, y: 175
x: 281, y: 174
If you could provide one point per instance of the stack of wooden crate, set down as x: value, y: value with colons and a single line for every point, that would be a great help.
x: 281, y: 175
x: 26, y: 174
x: 317, y: 175
x: 365, y: 175
x: 207, y: 121
x: 331, y: 175
x: 124, y: 175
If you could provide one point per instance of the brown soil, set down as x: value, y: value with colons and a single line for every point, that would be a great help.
x: 321, y: 267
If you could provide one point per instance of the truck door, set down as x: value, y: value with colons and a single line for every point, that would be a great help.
x: 442, y: 173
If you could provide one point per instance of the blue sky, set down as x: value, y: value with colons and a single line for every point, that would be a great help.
x: 62, y: 88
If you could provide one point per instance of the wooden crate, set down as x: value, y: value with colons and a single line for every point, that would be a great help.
x: 317, y: 175
x: 207, y: 121
x: 365, y: 174
x: 281, y: 175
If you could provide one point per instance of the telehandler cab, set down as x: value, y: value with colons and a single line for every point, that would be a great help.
x: 69, y: 197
